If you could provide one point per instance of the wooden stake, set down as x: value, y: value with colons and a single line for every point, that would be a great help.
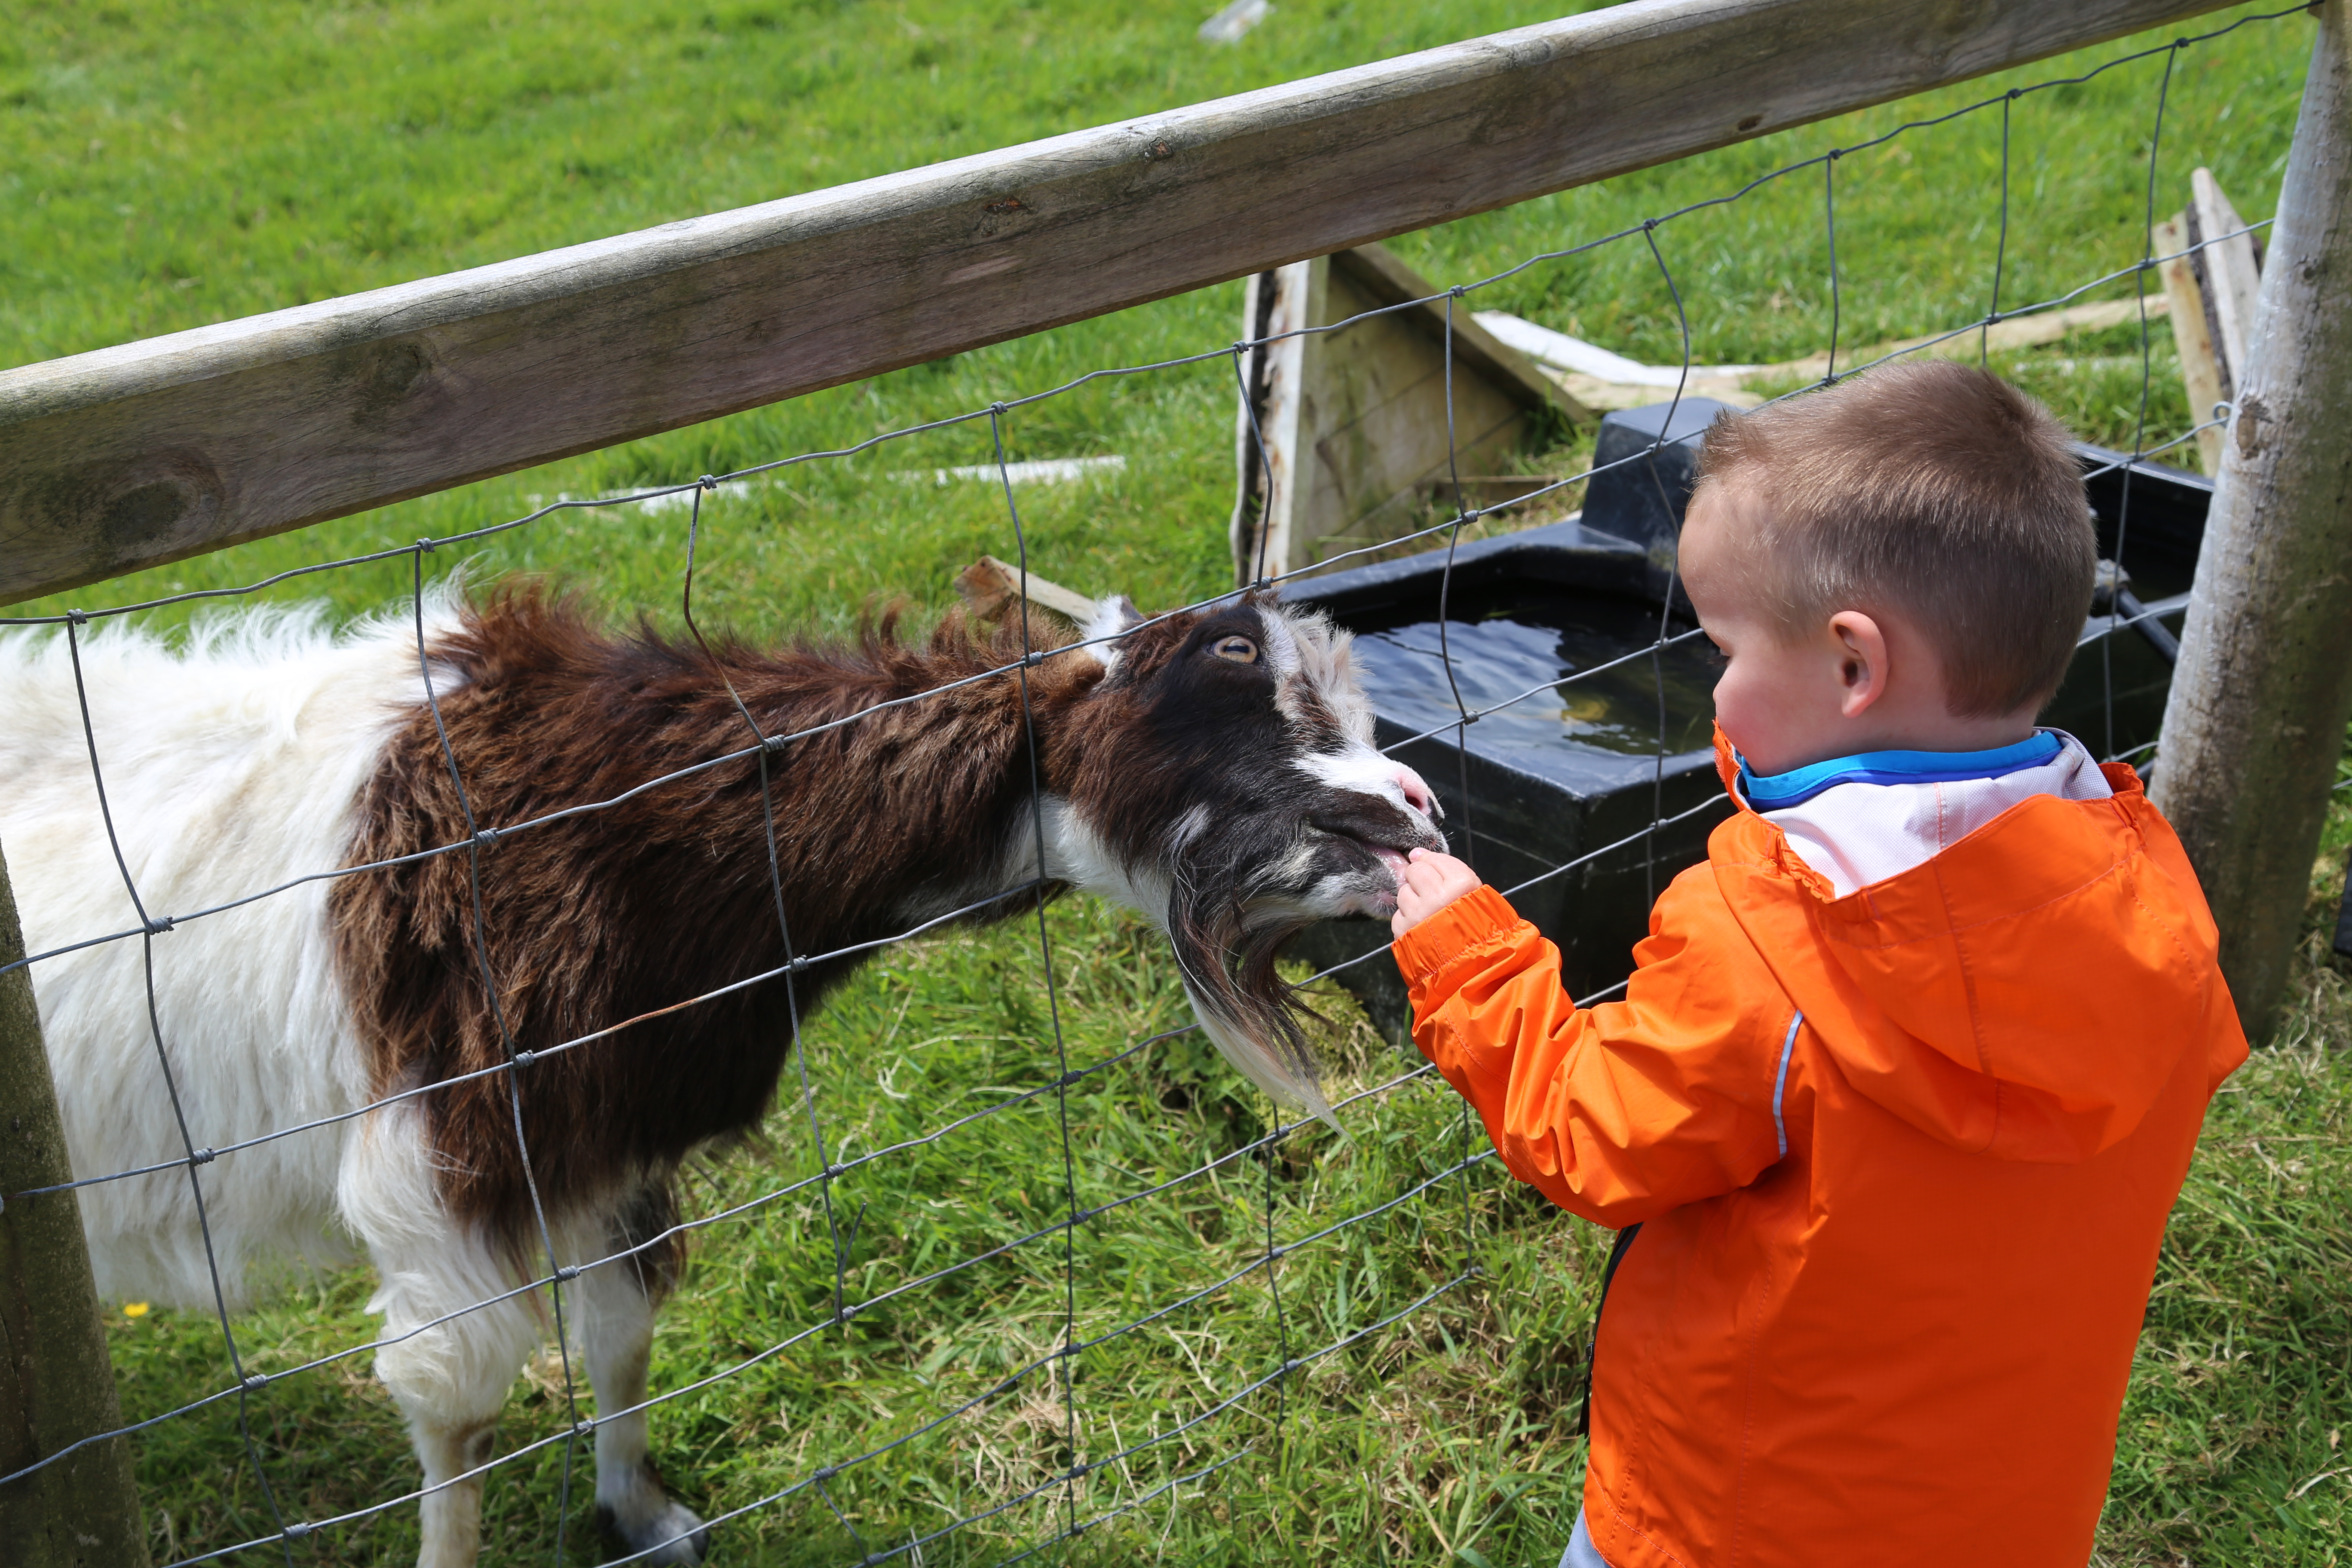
x: 989, y: 587
x: 2263, y: 687
x: 2230, y: 268
x: 2200, y: 363
x: 56, y: 1384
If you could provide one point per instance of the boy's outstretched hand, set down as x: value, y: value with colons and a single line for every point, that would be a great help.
x: 1429, y: 883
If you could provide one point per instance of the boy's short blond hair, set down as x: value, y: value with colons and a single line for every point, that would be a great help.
x: 1931, y: 488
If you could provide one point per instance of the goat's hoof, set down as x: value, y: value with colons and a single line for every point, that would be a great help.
x: 671, y: 1534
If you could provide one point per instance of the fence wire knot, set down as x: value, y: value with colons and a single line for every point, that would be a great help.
x: 158, y: 924
x: 255, y: 1381
x: 202, y: 1157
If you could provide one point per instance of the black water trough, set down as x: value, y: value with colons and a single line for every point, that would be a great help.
x: 1567, y: 773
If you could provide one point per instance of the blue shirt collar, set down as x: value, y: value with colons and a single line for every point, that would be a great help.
x: 1778, y: 792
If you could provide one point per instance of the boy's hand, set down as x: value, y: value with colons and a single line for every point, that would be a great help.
x: 1429, y: 883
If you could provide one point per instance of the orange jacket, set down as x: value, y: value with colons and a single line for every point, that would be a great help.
x: 1901, y: 1162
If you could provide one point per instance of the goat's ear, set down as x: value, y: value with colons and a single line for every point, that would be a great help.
x: 1114, y: 616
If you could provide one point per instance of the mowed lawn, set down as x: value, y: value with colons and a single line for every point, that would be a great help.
x: 166, y: 166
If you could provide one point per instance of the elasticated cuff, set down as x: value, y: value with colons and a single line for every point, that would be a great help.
x: 1480, y: 916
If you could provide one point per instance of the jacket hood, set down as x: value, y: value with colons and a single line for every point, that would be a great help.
x: 2027, y: 993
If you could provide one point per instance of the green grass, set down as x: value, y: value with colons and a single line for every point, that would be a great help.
x: 169, y: 165
x: 2241, y: 1394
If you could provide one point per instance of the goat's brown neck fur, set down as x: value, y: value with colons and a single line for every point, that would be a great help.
x: 666, y: 896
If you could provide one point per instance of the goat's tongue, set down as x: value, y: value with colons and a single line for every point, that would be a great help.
x: 1395, y: 861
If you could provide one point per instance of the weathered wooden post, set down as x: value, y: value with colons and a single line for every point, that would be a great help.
x: 56, y: 1384
x: 2259, y: 701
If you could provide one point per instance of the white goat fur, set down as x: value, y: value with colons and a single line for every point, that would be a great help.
x: 228, y: 772
x: 232, y: 767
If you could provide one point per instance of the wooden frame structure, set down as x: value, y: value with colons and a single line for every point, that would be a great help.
x: 1341, y: 433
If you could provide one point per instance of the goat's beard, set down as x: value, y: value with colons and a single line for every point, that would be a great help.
x: 1226, y: 941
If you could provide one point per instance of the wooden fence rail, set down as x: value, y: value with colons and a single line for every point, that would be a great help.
x: 147, y: 453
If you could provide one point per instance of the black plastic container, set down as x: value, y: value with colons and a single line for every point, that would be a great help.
x: 1573, y: 777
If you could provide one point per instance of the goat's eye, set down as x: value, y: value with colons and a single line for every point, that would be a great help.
x: 1241, y: 650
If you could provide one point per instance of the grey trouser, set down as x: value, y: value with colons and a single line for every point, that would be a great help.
x: 1580, y: 1553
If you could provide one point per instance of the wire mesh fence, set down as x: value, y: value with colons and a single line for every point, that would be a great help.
x: 1068, y: 1391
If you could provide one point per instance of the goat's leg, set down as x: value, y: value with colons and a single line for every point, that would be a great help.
x: 449, y: 1379
x: 616, y: 1302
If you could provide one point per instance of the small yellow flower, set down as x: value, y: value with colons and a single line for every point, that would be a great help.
x: 134, y: 1309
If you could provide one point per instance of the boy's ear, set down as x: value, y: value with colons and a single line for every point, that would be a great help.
x: 1863, y: 666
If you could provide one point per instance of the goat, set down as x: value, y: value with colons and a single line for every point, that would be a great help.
x: 1213, y: 768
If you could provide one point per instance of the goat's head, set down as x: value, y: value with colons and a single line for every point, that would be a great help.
x: 1221, y: 776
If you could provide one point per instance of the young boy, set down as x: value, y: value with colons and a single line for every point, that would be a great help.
x: 1910, y: 1071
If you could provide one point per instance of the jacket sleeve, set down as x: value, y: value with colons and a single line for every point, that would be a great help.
x: 1621, y: 1111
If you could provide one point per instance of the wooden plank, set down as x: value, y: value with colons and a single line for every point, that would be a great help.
x: 989, y: 587
x: 1268, y: 457
x: 2016, y: 333
x: 1385, y: 280
x: 146, y: 453
x: 1631, y: 383
x: 2228, y: 266
x: 2200, y: 368
x: 1354, y: 419
x: 1375, y: 402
